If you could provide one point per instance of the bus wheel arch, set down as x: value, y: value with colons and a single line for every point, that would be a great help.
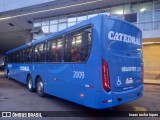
x: 30, y: 83
x: 39, y: 86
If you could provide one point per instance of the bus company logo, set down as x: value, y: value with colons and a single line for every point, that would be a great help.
x: 123, y: 38
x: 129, y: 81
x: 24, y: 68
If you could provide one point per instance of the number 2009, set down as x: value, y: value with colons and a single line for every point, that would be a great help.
x: 78, y: 74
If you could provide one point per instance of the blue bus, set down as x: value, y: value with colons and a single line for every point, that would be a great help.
x: 97, y: 63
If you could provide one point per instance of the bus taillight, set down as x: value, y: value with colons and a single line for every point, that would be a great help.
x: 105, y: 75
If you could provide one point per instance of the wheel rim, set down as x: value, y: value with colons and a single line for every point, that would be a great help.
x: 40, y: 87
x: 29, y: 83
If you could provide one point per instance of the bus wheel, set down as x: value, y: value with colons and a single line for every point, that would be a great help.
x: 30, y: 84
x: 40, y: 87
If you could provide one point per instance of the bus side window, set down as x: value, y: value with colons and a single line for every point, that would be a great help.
x: 69, y: 42
x: 16, y: 57
x: 75, y: 54
x: 78, y: 45
x: 49, y: 52
x: 39, y: 54
x: 28, y: 55
x: 54, y: 50
x: 21, y: 56
x: 86, y: 44
x: 58, y: 50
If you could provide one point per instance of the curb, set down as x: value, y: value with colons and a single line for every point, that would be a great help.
x: 153, y: 83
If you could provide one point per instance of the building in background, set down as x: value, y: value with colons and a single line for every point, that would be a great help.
x: 145, y: 15
x: 24, y: 21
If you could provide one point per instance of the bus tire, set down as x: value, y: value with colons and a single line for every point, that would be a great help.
x: 40, y: 87
x: 30, y: 83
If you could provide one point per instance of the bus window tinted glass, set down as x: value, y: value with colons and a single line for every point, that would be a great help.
x: 39, y: 54
x: 21, y: 56
x: 78, y: 45
x: 29, y: 55
x: 54, y: 50
x: 16, y: 57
